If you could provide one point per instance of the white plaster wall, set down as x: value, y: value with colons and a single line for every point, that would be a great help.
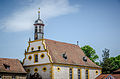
x: 83, y: 73
x: 92, y: 73
x: 64, y: 72
x: 35, y: 46
x: 40, y: 61
x: 45, y: 75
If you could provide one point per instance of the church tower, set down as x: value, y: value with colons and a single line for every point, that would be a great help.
x: 39, y: 28
x: 37, y: 60
x: 49, y: 59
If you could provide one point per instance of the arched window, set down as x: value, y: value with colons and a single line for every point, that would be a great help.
x: 79, y: 74
x: 87, y: 74
x: 70, y: 73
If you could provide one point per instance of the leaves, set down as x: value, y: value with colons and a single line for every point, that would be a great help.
x: 90, y: 52
x: 109, y: 64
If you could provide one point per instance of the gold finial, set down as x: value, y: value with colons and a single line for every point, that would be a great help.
x: 39, y: 13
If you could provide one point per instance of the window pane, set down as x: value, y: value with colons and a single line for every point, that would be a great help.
x: 70, y: 73
x: 35, y: 29
x: 36, y: 58
x: 86, y: 74
x: 78, y: 73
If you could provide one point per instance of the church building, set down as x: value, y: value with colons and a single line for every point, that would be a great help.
x: 50, y: 59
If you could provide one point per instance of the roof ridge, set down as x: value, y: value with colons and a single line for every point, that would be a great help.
x: 62, y: 42
x: 10, y: 58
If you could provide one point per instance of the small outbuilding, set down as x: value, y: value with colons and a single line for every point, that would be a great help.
x: 11, y: 69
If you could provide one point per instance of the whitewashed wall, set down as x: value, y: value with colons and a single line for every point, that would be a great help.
x: 64, y: 72
x: 40, y: 60
x: 45, y: 75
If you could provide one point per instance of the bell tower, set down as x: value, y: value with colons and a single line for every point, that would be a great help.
x: 39, y: 28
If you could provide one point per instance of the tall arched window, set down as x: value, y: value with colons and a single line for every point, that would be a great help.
x: 36, y: 58
x: 71, y: 73
x: 87, y: 74
x: 79, y: 74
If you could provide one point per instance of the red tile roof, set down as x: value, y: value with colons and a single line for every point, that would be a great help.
x: 74, y: 53
x: 14, y: 66
x: 118, y: 70
x: 104, y: 76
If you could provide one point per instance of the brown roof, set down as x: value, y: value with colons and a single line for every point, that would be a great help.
x: 104, y: 76
x: 14, y: 66
x: 118, y: 70
x: 74, y: 53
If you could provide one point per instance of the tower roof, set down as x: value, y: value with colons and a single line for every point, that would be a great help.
x: 39, y: 21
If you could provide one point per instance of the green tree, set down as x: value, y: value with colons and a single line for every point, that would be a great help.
x: 109, y: 64
x: 90, y: 52
x: 105, y: 54
x: 106, y: 61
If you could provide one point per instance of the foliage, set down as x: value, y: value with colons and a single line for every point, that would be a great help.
x: 90, y: 52
x: 109, y: 64
x: 105, y: 54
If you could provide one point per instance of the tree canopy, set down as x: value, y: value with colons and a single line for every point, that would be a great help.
x: 109, y: 64
x: 90, y: 52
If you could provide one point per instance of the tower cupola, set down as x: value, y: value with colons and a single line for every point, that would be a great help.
x: 39, y: 28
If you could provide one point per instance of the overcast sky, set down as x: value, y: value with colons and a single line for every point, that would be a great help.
x: 91, y: 22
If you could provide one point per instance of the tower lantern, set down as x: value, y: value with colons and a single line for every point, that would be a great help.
x: 39, y: 28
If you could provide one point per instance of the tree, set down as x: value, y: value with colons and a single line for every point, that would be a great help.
x: 109, y: 64
x: 106, y: 61
x: 90, y: 52
x: 105, y: 54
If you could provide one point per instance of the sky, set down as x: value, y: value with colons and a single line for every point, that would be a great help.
x: 91, y: 22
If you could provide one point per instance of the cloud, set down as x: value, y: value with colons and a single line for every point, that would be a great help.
x: 23, y: 18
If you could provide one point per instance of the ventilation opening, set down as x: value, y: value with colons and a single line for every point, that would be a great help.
x: 85, y: 59
x: 6, y: 66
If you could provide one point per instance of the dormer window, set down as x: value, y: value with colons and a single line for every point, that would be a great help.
x: 64, y: 55
x: 6, y: 66
x: 85, y: 59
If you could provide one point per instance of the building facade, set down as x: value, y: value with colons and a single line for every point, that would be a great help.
x: 49, y: 59
x: 11, y: 69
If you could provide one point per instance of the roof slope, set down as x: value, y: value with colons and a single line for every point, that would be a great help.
x: 118, y: 70
x: 14, y: 66
x: 104, y: 76
x: 74, y: 53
